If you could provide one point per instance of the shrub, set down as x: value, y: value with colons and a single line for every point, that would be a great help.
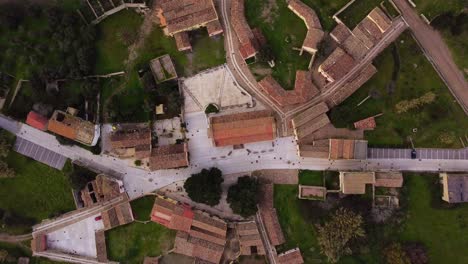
x: 243, y: 197
x: 205, y: 187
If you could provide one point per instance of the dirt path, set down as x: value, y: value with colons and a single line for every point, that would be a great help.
x: 143, y: 33
x: 14, y: 239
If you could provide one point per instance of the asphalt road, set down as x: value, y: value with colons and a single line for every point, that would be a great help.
x: 437, y: 52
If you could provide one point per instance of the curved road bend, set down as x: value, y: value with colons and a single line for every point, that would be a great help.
x: 437, y: 52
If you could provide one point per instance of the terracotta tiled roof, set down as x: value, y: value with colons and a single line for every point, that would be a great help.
x: 214, y: 28
x: 348, y: 149
x: 356, y: 81
x: 100, y: 190
x: 340, y: 33
x: 309, y: 114
x: 195, y: 224
x: 198, y: 248
x: 118, y: 215
x: 380, y: 19
x: 305, y: 13
x: 269, y: 215
x: 131, y: 135
x: 249, y: 238
x: 39, y: 243
x: 151, y: 260
x: 37, y: 121
x: 311, y: 151
x: 248, y: 43
x: 290, y: 257
x: 169, y: 157
x: 311, y: 126
x: 337, y: 65
x: 312, y: 40
x: 304, y: 89
x: 314, y: 29
x: 182, y: 41
x: 71, y: 127
x: 389, y: 179
x: 101, y: 249
x: 355, y: 47
x: 242, y: 128
x: 187, y: 14
x: 366, y: 124
x: 272, y: 226
x: 355, y: 182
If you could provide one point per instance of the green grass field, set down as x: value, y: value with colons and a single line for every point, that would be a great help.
x: 442, y: 230
x: 131, y: 243
x: 298, y: 231
x: 114, y: 39
x: 438, y: 124
x: 207, y: 52
x: 283, y: 32
x: 19, y: 250
x: 308, y: 177
x: 142, y: 207
x: 433, y: 8
x: 37, y: 191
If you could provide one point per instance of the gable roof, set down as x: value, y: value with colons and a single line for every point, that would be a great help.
x: 337, y: 64
x: 169, y: 157
x: 248, y: 43
x: 242, y: 128
x: 37, y: 121
x: 187, y: 14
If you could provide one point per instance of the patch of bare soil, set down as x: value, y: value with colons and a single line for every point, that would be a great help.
x: 269, y: 11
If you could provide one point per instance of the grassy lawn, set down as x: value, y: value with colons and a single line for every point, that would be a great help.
x: 37, y: 191
x: 298, y: 231
x: 439, y: 229
x: 131, y: 243
x: 114, y: 40
x: 438, y: 124
x: 207, y: 52
x: 433, y: 8
x: 16, y: 251
x: 308, y: 177
x: 142, y: 207
x: 283, y: 30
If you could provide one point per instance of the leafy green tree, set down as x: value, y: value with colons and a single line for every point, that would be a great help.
x: 205, y: 187
x: 243, y: 197
x: 394, y: 254
x: 334, y: 236
x: 5, y: 171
